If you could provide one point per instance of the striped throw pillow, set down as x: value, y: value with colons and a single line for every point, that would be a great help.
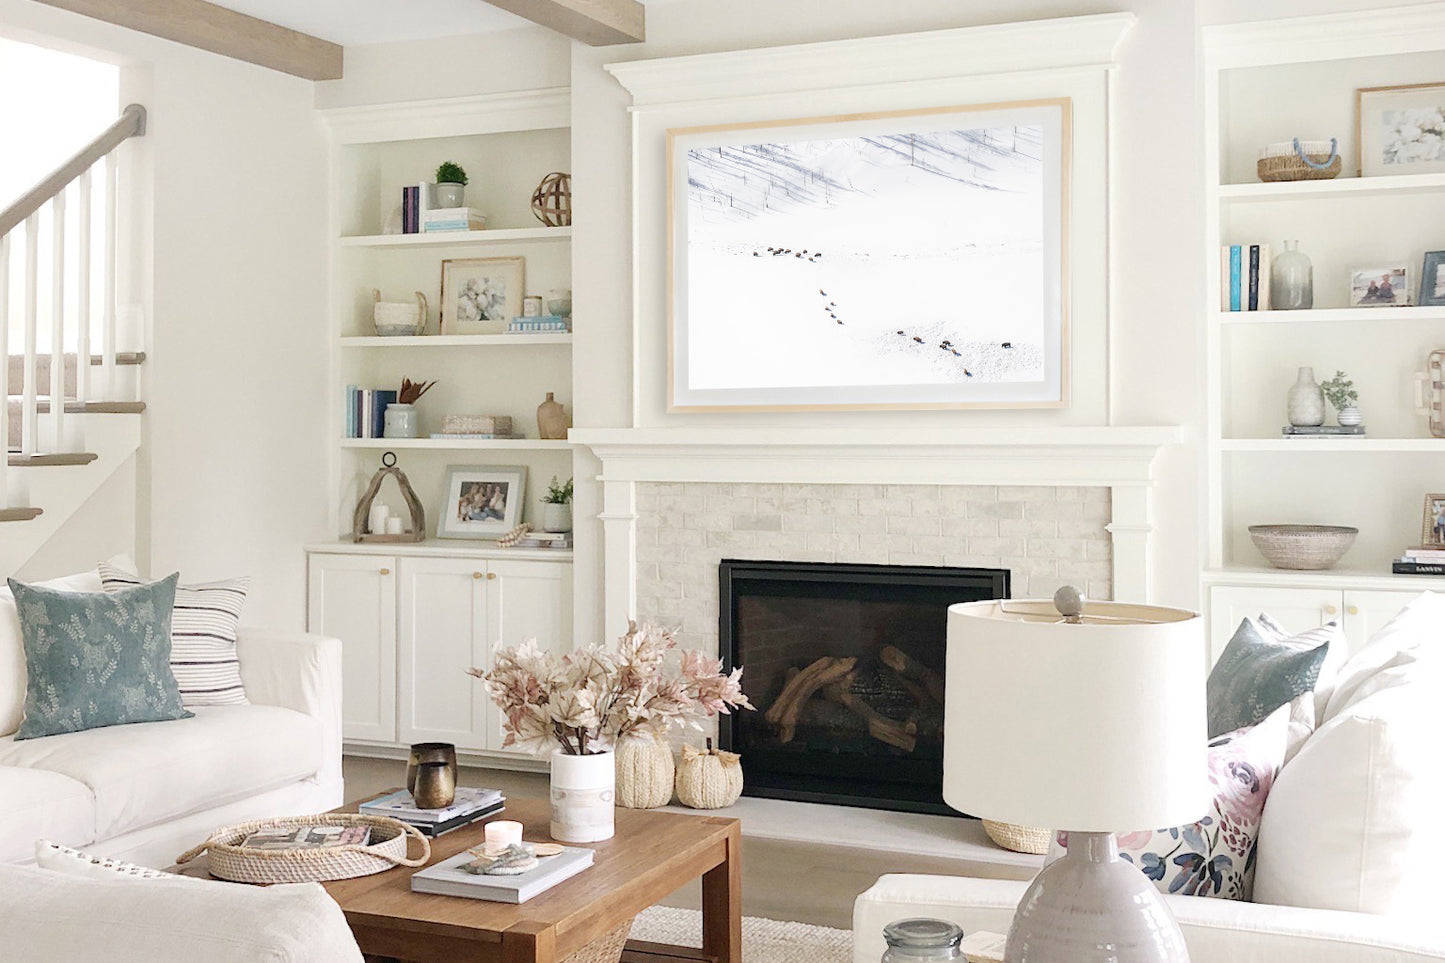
x: 203, y: 637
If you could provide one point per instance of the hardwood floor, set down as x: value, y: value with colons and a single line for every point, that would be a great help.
x: 806, y: 883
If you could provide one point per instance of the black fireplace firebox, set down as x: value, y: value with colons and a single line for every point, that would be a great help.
x: 845, y: 666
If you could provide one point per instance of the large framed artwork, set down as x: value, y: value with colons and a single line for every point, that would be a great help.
x: 911, y: 259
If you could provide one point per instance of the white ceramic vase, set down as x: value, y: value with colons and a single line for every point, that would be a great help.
x: 583, y: 797
x: 400, y: 421
x: 556, y: 516
x: 1306, y: 401
x: 451, y: 195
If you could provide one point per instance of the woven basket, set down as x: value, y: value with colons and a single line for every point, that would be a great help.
x: 240, y: 864
x: 607, y: 948
x: 1019, y: 839
x: 1297, y: 160
x: 1303, y: 547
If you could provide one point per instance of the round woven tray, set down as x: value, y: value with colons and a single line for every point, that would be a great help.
x: 1019, y: 839
x: 240, y: 864
x: 1303, y: 547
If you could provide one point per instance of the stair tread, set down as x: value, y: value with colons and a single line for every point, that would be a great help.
x: 121, y: 357
x: 42, y: 405
x: 47, y: 460
x: 18, y: 514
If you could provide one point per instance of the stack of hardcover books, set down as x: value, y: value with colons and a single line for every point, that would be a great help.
x: 1322, y: 431
x: 545, y: 540
x: 453, y: 219
x: 366, y: 411
x: 537, y: 325
x: 1421, y: 560
x: 1244, y: 277
x: 469, y: 806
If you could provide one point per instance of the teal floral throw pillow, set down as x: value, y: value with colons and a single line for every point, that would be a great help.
x: 94, y: 659
x: 1258, y: 672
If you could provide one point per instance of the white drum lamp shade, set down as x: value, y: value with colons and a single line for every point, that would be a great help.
x: 1094, y: 724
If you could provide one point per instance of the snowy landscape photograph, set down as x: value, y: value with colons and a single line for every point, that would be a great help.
x: 904, y: 260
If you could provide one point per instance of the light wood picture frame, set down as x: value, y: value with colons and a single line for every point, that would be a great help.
x: 481, y: 295
x: 1400, y: 129
x: 1432, y: 529
x: 482, y: 501
x: 906, y: 259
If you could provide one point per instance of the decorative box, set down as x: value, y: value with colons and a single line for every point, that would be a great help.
x: 477, y: 425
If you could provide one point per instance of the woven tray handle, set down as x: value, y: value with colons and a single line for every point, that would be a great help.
x: 1334, y: 152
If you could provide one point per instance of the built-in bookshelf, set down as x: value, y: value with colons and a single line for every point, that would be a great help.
x: 1268, y: 82
x: 507, y: 143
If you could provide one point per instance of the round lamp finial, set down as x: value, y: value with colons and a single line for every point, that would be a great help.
x: 1070, y: 603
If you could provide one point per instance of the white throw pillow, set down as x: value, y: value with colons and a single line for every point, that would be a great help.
x: 1351, y: 821
x: 1411, y: 643
x: 203, y: 636
x: 63, y: 859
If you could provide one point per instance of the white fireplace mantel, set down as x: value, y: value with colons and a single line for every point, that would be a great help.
x: 1119, y: 458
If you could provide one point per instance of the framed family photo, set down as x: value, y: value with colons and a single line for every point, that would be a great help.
x: 1432, y: 531
x: 481, y: 295
x: 1401, y: 130
x: 909, y: 259
x: 482, y: 501
x: 1379, y: 287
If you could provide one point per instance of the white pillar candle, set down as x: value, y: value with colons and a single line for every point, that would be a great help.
x: 376, y: 518
x: 502, y: 833
x: 393, y: 525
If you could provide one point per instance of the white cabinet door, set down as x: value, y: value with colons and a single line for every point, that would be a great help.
x: 1367, y: 612
x: 353, y: 598
x: 527, y: 600
x: 1297, y: 609
x: 443, y: 613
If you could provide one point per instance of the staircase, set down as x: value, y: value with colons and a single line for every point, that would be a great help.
x: 68, y: 425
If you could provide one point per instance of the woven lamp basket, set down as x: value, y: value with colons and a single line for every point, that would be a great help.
x: 241, y: 864
x: 1299, y: 160
x: 1018, y: 839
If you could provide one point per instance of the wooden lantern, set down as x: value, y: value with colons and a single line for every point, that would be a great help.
x: 552, y: 200
x: 360, y: 517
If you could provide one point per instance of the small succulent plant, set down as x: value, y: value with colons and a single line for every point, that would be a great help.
x: 449, y: 173
x: 1340, y: 391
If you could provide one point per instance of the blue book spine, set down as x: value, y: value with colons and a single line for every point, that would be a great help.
x: 1236, y: 260
x: 351, y: 411
x: 378, y: 421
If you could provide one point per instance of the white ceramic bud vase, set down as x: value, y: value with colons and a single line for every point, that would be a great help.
x: 1349, y: 416
x: 583, y: 797
x: 1306, y: 401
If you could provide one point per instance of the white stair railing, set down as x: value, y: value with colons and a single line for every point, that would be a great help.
x: 66, y: 317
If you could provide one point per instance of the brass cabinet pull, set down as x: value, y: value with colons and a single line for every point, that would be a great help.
x: 476, y: 575
x: 491, y: 575
x: 386, y: 571
x: 1330, y: 610
x: 1353, y: 610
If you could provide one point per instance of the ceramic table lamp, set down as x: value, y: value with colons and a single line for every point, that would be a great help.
x: 1085, y: 717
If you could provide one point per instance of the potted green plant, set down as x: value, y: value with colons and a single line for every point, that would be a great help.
x: 451, y: 185
x: 557, y: 507
x: 1341, y: 393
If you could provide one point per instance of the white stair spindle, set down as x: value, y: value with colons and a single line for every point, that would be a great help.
x: 82, y: 341
x: 107, y: 336
x: 5, y: 368
x: 28, y: 376
x: 57, y: 323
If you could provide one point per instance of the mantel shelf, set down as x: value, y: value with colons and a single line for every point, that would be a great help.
x: 1333, y: 315
x: 457, y: 340
x: 459, y: 444
x: 520, y: 235
x: 1338, y: 187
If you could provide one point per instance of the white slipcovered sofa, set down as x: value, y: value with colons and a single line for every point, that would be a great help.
x: 150, y: 791
x: 1346, y: 866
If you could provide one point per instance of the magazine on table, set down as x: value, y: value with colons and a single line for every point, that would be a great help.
x: 447, y: 878
x: 308, y: 837
x: 401, y: 805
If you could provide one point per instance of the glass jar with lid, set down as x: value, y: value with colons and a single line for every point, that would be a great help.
x: 921, y: 941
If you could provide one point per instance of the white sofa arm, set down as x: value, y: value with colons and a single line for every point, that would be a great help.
x: 1217, y: 930
x: 302, y: 672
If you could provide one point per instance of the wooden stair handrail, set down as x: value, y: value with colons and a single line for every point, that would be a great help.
x: 132, y: 123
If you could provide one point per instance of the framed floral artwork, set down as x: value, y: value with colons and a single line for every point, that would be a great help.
x: 1401, y: 130
x: 907, y: 259
x: 481, y: 295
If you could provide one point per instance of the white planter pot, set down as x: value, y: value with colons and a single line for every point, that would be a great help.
x: 556, y: 517
x: 451, y: 195
x: 1349, y: 416
x: 583, y: 797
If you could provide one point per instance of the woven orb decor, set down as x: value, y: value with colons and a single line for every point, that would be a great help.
x: 552, y: 200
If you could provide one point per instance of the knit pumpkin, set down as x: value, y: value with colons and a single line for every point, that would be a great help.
x: 644, y: 773
x: 709, y: 779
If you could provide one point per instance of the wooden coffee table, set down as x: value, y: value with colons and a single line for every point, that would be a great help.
x: 651, y: 855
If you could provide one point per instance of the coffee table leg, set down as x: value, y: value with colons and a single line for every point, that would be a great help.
x: 529, y: 942
x: 722, y: 904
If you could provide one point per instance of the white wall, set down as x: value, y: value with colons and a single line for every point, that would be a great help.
x: 231, y: 479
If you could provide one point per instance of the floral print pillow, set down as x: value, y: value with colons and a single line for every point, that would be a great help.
x: 1215, y: 856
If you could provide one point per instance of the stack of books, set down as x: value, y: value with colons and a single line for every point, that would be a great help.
x: 1421, y: 560
x: 1322, y: 431
x: 453, y: 219
x: 544, y: 323
x: 545, y: 540
x: 469, y: 806
x: 1244, y: 277
x: 365, y: 411
x: 447, y: 878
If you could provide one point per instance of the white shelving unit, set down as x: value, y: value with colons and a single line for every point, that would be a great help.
x: 1271, y: 81
x: 455, y: 340
x: 487, y: 238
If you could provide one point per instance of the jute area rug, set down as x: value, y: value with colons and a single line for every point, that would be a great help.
x: 764, y: 941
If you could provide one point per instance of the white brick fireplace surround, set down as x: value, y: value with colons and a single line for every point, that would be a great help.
x: 1050, y: 504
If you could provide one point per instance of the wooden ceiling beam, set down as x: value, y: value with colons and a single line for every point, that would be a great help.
x: 207, y: 26
x: 597, y: 23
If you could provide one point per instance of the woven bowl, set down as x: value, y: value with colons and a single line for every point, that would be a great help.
x: 241, y: 864
x: 1018, y: 839
x: 1307, y: 547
